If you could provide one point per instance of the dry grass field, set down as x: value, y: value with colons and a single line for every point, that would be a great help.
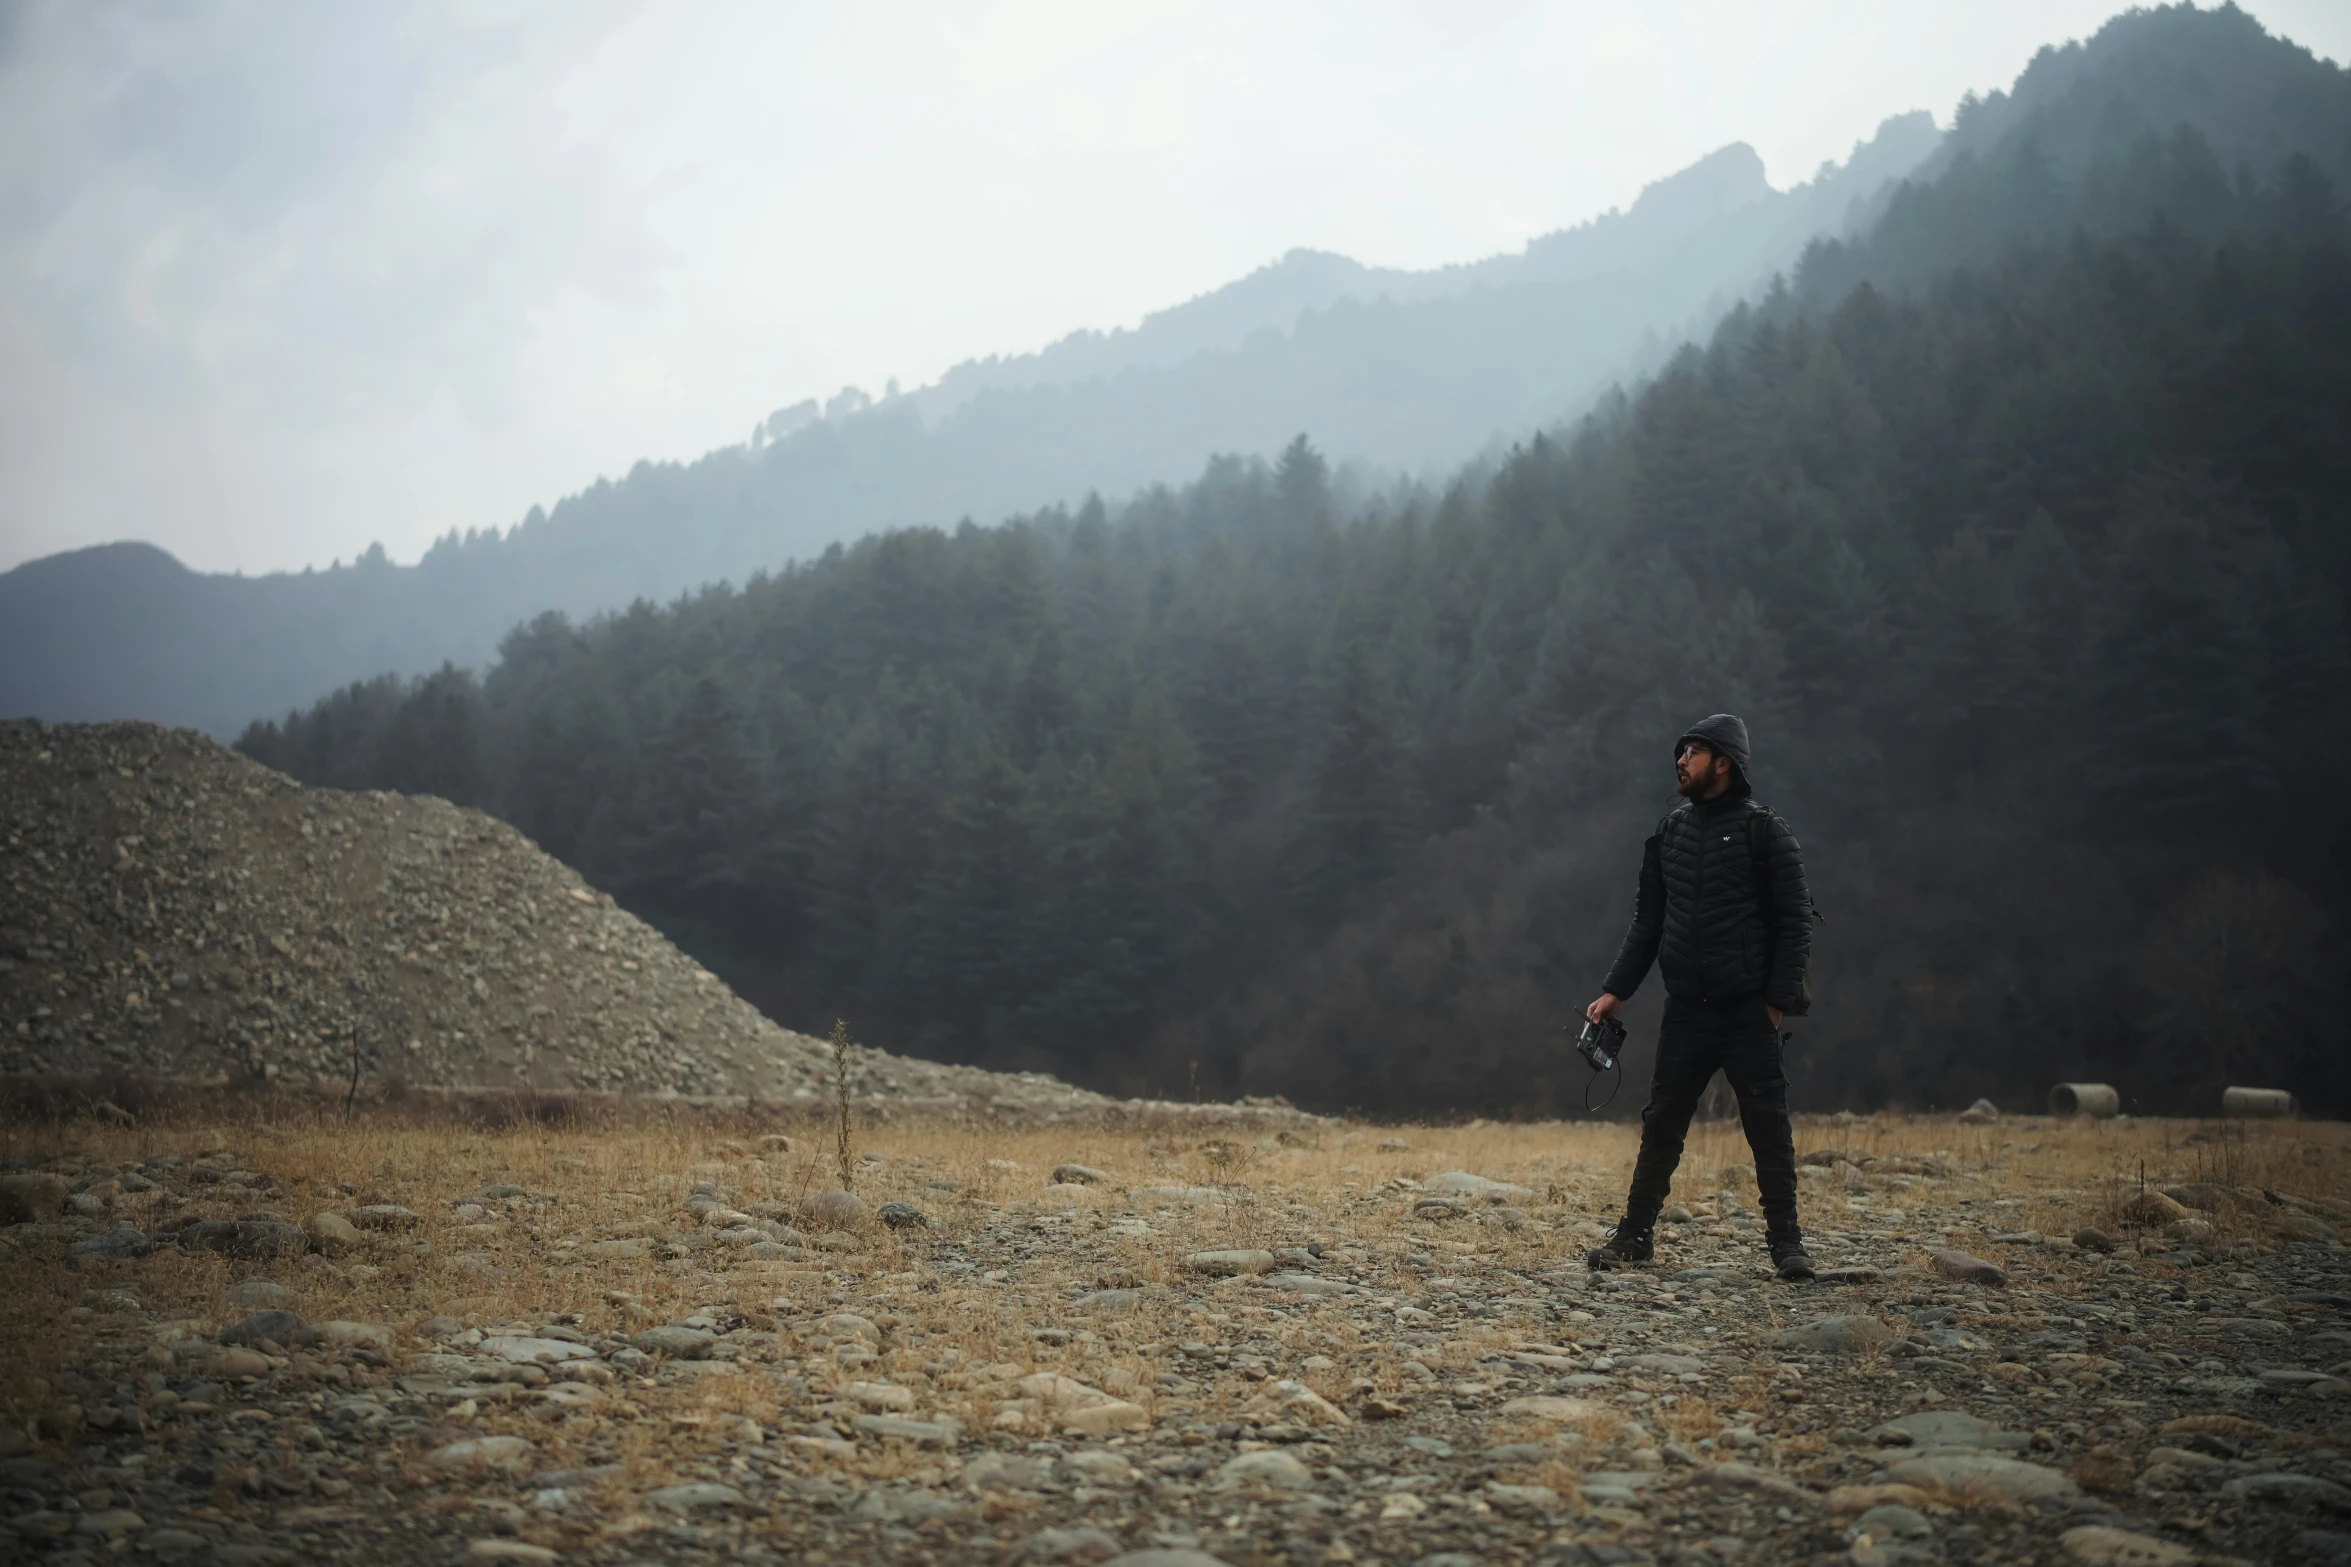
x: 665, y: 1341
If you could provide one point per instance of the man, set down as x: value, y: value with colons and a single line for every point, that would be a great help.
x: 1724, y: 913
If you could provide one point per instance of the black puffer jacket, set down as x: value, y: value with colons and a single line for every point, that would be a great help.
x: 1700, y: 914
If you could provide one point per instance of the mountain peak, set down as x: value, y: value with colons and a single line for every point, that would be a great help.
x: 1714, y: 187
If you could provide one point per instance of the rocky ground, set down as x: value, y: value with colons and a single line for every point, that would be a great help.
x: 168, y: 907
x: 288, y: 1343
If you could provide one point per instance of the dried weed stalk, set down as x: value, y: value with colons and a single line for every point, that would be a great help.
x: 840, y: 1045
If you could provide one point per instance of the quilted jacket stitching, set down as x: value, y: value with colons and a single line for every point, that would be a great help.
x: 1699, y: 917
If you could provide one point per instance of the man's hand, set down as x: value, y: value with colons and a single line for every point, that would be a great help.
x: 1604, y: 1006
x: 1774, y: 1013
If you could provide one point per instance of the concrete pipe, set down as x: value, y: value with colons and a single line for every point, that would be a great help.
x: 2256, y: 1102
x: 2095, y: 1100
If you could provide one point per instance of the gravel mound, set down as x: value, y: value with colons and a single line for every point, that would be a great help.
x: 172, y: 908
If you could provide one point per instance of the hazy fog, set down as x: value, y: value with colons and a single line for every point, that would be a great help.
x: 280, y: 280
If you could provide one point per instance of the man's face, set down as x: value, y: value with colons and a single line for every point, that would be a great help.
x: 1698, y: 772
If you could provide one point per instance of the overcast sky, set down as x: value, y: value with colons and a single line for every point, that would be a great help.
x: 279, y: 280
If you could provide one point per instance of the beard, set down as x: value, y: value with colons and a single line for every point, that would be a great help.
x: 1697, y: 786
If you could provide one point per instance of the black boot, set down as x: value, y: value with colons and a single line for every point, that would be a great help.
x: 1788, y: 1257
x: 1624, y: 1248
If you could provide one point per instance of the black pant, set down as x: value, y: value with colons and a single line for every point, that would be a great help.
x: 1700, y: 1038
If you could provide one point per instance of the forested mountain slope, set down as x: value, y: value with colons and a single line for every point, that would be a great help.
x: 2028, y: 568
x: 1395, y: 369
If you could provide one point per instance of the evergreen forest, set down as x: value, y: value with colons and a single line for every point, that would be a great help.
x: 2014, y: 524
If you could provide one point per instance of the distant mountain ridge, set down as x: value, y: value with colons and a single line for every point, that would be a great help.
x: 1401, y: 371
x: 1274, y: 296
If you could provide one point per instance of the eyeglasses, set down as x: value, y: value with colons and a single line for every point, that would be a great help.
x: 1689, y: 747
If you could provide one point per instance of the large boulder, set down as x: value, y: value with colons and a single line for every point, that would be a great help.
x: 31, y: 1196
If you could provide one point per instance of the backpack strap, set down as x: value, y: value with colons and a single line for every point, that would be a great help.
x: 1759, y: 850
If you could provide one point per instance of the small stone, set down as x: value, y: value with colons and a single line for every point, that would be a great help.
x: 123, y: 1243
x: 331, y: 1232
x: 1664, y: 1365
x: 2302, y: 1490
x: 282, y: 1328
x: 522, y: 1349
x: 2089, y: 1238
x: 253, y: 1239
x: 240, y: 1365
x: 897, y: 1504
x: 675, y: 1342
x: 258, y: 1293
x: 109, y: 1522
x: 1850, y: 1273
x: 345, y: 1335
x: 2324, y: 1547
x: 1460, y: 1183
x: 1080, y: 1547
x: 922, y: 1433
x: 703, y: 1496
x: 384, y: 1216
x: 901, y: 1216
x: 1842, y: 1335
x: 1969, y: 1269
x: 509, y: 1453
x: 2153, y: 1209
x: 1230, y: 1264
x: 1166, y: 1558
x: 1097, y: 1467
x: 1971, y: 1472
x: 1550, y: 1409
x: 31, y: 1197
x: 1948, y: 1428
x: 509, y: 1551
x: 882, y: 1395
x: 1521, y: 1500
x: 1268, y: 1466
x: 999, y: 1471
x: 835, y: 1210
x: 1099, y: 1420
x: 1077, y: 1175
x: 1892, y: 1520
x: 1861, y: 1498
x: 848, y: 1324
x: 1392, y: 1145
x: 1733, y: 1475
x: 2101, y: 1546
x: 1288, y: 1400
